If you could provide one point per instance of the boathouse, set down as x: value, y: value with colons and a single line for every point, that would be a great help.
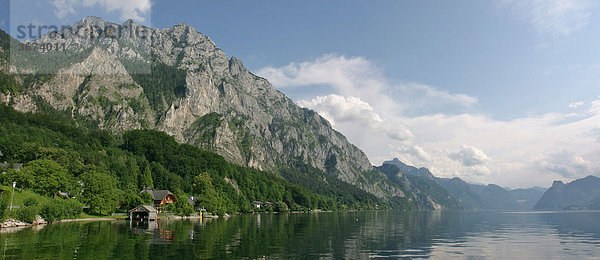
x: 143, y: 213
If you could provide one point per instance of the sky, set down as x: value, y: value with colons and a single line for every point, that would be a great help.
x: 504, y: 91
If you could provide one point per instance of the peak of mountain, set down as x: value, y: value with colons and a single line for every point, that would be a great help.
x: 557, y: 184
x: 411, y: 170
x: 178, y: 81
x: 425, y: 192
x: 579, y: 194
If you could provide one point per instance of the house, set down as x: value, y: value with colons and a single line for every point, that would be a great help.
x: 262, y: 204
x: 160, y: 197
x: 143, y: 213
x: 16, y: 166
x: 195, y: 202
x: 64, y: 195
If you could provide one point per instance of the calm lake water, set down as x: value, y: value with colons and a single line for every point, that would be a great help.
x: 348, y: 235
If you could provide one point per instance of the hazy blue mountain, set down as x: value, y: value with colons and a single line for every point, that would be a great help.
x: 463, y: 192
x: 579, y: 194
x: 495, y: 197
x: 475, y: 196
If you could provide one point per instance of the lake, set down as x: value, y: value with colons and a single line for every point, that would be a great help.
x: 354, y: 235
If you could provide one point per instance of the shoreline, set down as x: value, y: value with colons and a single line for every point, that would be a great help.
x: 15, y: 225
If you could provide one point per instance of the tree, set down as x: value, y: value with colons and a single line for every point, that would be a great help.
x: 146, y: 176
x: 99, y: 191
x: 182, y: 207
x: 208, y: 197
x: 45, y: 177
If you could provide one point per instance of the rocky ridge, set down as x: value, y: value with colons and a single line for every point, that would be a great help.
x: 224, y: 107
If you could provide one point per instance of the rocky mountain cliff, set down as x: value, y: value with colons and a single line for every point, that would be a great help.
x: 579, y: 194
x: 191, y: 90
x: 410, y: 170
x: 425, y: 192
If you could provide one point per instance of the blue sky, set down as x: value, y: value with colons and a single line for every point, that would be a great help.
x: 502, y: 91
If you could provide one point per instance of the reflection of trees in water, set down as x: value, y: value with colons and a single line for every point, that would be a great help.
x: 329, y: 235
x: 336, y: 235
x: 76, y: 240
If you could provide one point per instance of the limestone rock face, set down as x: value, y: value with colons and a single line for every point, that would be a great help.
x: 224, y: 108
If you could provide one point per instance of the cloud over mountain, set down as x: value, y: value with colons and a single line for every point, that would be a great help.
x: 425, y: 126
x: 337, y: 108
x: 470, y: 156
x: 130, y: 9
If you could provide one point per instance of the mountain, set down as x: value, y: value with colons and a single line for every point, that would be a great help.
x: 410, y: 170
x: 461, y: 190
x: 192, y: 91
x: 579, y: 194
x: 495, y: 197
x: 426, y: 193
x: 472, y: 196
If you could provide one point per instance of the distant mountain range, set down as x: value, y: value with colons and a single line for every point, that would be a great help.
x: 579, y: 194
x: 475, y: 196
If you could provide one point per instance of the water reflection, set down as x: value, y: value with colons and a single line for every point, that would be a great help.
x: 358, y: 235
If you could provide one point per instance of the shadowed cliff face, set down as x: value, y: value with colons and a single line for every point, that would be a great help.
x: 579, y: 194
x: 188, y: 88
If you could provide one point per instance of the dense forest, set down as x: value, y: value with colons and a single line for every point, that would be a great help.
x: 107, y: 172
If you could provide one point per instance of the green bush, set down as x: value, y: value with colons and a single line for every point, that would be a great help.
x: 281, y: 207
x: 61, y: 209
x: 30, y: 202
x: 4, y: 203
x: 183, y: 208
x: 131, y: 200
x: 27, y: 214
x: 220, y: 212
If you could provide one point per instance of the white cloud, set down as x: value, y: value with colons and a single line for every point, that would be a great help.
x: 596, y: 133
x: 595, y: 107
x: 411, y: 154
x: 359, y: 77
x: 64, y: 7
x: 337, y: 108
x: 470, y: 156
x: 130, y: 9
x: 567, y: 164
x: 426, y: 92
x: 558, y: 17
x: 576, y: 104
x: 433, y: 126
x: 338, y: 71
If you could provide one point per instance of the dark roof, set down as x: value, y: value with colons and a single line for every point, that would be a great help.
x: 15, y: 166
x: 158, y: 194
x: 193, y: 200
x: 262, y: 202
x: 143, y: 208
